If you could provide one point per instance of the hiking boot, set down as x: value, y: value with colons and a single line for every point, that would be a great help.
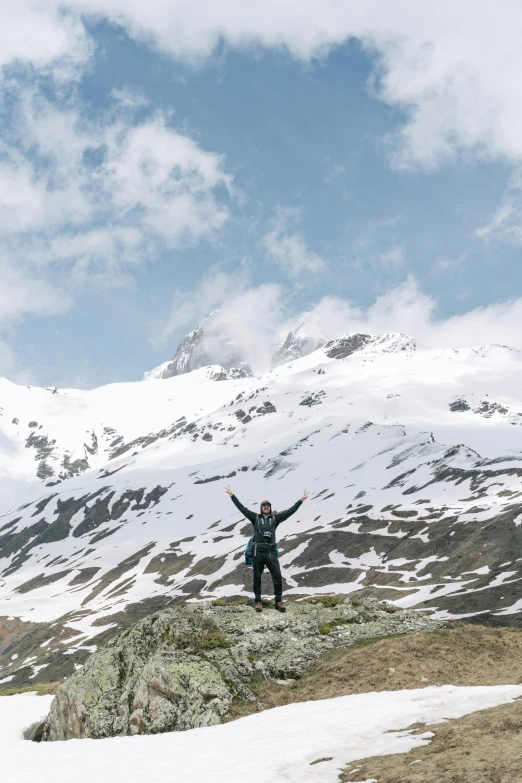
x: 279, y: 605
x: 258, y: 606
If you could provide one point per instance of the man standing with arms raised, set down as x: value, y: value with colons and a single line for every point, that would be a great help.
x: 264, y: 545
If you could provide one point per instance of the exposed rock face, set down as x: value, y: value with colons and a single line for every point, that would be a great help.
x: 345, y: 346
x: 196, y: 350
x: 180, y: 669
x: 11, y: 629
x: 296, y: 344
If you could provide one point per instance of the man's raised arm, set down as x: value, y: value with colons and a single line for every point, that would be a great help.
x: 282, y: 515
x: 250, y: 515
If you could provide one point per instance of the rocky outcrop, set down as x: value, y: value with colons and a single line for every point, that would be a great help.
x: 180, y: 669
x: 345, y: 346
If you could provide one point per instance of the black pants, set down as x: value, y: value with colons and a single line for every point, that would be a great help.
x: 271, y: 561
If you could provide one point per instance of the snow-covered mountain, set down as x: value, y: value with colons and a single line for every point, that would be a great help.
x: 201, y: 348
x: 113, y: 501
x: 212, y: 343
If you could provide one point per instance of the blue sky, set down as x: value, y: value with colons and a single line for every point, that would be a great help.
x: 147, y: 180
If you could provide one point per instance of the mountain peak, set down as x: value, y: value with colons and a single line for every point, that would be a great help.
x: 296, y: 344
x: 197, y: 349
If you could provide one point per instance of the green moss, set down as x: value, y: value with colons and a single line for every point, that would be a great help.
x: 328, y: 601
x: 326, y: 628
x: 199, y: 640
x: 210, y: 641
x: 255, y: 682
x: 356, y: 602
x: 251, y: 657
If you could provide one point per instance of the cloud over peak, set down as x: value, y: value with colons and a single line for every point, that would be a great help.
x: 255, y: 322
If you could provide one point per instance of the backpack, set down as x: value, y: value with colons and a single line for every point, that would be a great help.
x: 249, y: 552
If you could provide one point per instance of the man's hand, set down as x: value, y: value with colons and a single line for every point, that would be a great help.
x: 229, y: 491
x: 305, y: 495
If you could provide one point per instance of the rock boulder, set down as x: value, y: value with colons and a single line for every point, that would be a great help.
x: 181, y: 668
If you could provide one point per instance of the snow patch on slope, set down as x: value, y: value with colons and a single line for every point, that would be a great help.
x: 311, y: 741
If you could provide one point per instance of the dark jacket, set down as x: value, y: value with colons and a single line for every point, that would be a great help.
x: 265, y: 526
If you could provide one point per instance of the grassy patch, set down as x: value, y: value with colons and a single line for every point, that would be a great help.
x: 457, y: 655
x: 210, y: 641
x: 41, y: 688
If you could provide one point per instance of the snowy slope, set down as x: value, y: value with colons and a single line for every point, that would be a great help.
x: 413, y: 459
x: 311, y: 741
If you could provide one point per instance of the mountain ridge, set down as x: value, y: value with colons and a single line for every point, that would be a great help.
x: 411, y: 456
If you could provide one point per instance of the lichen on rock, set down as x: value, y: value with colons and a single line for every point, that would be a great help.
x: 181, y: 668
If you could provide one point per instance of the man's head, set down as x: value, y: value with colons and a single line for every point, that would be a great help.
x: 266, y: 507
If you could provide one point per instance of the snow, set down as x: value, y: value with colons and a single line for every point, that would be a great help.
x: 37, y: 669
x: 382, y: 425
x: 288, y: 739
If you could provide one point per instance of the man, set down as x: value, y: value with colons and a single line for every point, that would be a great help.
x: 264, y: 545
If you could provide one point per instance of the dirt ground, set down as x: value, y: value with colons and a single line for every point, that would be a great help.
x: 458, y: 655
x: 485, y: 747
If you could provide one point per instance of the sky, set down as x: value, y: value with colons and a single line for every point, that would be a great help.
x: 352, y: 165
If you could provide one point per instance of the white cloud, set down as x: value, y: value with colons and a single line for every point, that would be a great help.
x: 102, y: 193
x: 83, y: 201
x: 82, y: 193
x: 454, y: 74
x: 393, y: 258
x: 248, y: 320
x: 23, y: 292
x: 129, y: 99
x: 190, y: 307
x: 255, y: 322
x: 168, y: 178
x: 407, y: 309
x: 288, y: 248
x: 236, y: 317
x: 506, y: 222
x: 39, y: 35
